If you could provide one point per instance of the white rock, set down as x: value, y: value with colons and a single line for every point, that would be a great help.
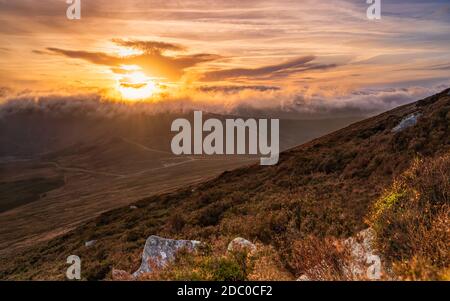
x: 362, y: 244
x: 133, y: 207
x: 90, y: 243
x: 159, y: 251
x: 407, y: 122
x: 361, y: 250
x: 303, y: 278
x: 241, y: 244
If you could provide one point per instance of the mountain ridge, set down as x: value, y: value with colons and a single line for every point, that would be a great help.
x: 323, y: 188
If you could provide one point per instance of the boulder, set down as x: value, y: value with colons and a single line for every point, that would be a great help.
x: 361, y: 246
x: 133, y: 207
x: 241, y: 244
x: 407, y: 122
x: 361, y: 251
x: 159, y: 251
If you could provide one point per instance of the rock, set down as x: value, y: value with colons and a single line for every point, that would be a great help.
x: 121, y: 275
x: 159, y: 251
x: 241, y: 244
x: 361, y: 246
x: 90, y: 243
x: 407, y: 122
x: 133, y: 207
x: 303, y: 278
x: 361, y: 251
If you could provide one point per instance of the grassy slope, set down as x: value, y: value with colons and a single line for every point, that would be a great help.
x: 412, y: 221
x: 17, y: 193
x: 322, y: 188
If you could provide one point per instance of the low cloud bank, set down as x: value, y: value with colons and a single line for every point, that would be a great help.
x: 299, y: 103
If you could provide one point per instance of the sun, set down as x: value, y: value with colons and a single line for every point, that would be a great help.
x: 135, y: 85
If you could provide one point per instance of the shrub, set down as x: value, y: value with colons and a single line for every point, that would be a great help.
x: 205, y: 264
x: 176, y: 222
x: 211, y: 214
x: 98, y: 271
x: 317, y: 258
x: 133, y: 236
x: 223, y: 269
x: 411, y: 221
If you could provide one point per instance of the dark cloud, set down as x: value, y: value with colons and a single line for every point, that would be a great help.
x: 236, y: 89
x: 99, y: 58
x: 149, y: 46
x: 444, y: 66
x: 40, y: 52
x: 297, y: 65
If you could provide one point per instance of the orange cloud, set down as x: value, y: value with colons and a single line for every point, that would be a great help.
x: 152, y: 60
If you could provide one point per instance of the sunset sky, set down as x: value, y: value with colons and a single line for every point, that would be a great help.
x: 310, y: 57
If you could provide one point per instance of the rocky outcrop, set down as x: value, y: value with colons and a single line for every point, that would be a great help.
x: 159, y: 251
x: 362, y: 254
x: 407, y: 122
x: 362, y: 262
x: 240, y: 244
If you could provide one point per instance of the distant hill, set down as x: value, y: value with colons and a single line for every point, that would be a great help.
x: 53, y: 159
x: 34, y: 133
x: 323, y: 188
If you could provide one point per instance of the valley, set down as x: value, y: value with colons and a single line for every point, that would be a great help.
x: 64, y: 172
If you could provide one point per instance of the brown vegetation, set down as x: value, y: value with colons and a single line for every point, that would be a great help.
x: 321, y: 189
x: 412, y: 221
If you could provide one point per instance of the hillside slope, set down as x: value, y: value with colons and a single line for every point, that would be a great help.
x: 323, y: 188
x: 54, y: 158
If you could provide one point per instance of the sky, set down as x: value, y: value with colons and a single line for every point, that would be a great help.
x: 309, y: 58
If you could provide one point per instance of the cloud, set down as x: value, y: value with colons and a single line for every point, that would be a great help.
x: 236, y: 88
x: 4, y: 91
x: 297, y: 65
x: 302, y: 103
x: 152, y: 60
x: 264, y: 43
x: 93, y: 57
x: 149, y: 46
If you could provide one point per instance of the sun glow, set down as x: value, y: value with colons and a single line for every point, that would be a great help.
x: 126, y: 52
x: 135, y: 85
